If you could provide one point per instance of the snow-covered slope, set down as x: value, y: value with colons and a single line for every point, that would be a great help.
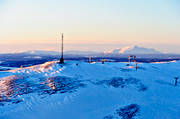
x: 79, y: 90
x: 134, y: 50
x: 5, y: 68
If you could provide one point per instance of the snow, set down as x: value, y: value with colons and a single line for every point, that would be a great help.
x: 5, y: 68
x: 91, y: 91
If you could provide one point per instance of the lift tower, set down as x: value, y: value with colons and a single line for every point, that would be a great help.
x: 62, y: 48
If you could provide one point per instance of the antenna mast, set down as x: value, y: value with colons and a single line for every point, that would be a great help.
x: 62, y: 50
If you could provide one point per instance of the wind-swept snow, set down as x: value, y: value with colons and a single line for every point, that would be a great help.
x: 79, y: 90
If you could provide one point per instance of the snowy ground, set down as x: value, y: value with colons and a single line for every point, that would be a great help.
x: 80, y: 90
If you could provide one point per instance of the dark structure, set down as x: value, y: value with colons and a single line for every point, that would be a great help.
x: 133, y: 57
x: 176, y: 80
x: 62, y: 48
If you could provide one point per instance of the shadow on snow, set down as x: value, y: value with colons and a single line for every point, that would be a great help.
x: 11, y: 90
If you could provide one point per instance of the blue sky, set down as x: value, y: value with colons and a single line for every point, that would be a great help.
x: 148, y: 23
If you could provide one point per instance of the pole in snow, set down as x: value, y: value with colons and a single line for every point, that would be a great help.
x: 62, y: 48
x: 176, y: 81
x: 90, y: 59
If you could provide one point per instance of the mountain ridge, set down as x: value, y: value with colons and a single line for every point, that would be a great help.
x: 125, y: 50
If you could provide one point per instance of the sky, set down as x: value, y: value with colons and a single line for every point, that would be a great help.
x: 96, y: 25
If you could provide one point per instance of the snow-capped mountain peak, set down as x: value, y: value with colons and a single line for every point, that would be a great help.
x: 134, y: 50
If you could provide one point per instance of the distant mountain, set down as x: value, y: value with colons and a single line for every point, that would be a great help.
x: 81, y: 52
x: 118, y: 51
x: 41, y: 52
x: 134, y: 50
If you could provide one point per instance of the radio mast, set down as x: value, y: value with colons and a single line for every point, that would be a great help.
x: 62, y: 51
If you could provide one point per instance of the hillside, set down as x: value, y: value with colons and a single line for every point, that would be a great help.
x: 80, y: 90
